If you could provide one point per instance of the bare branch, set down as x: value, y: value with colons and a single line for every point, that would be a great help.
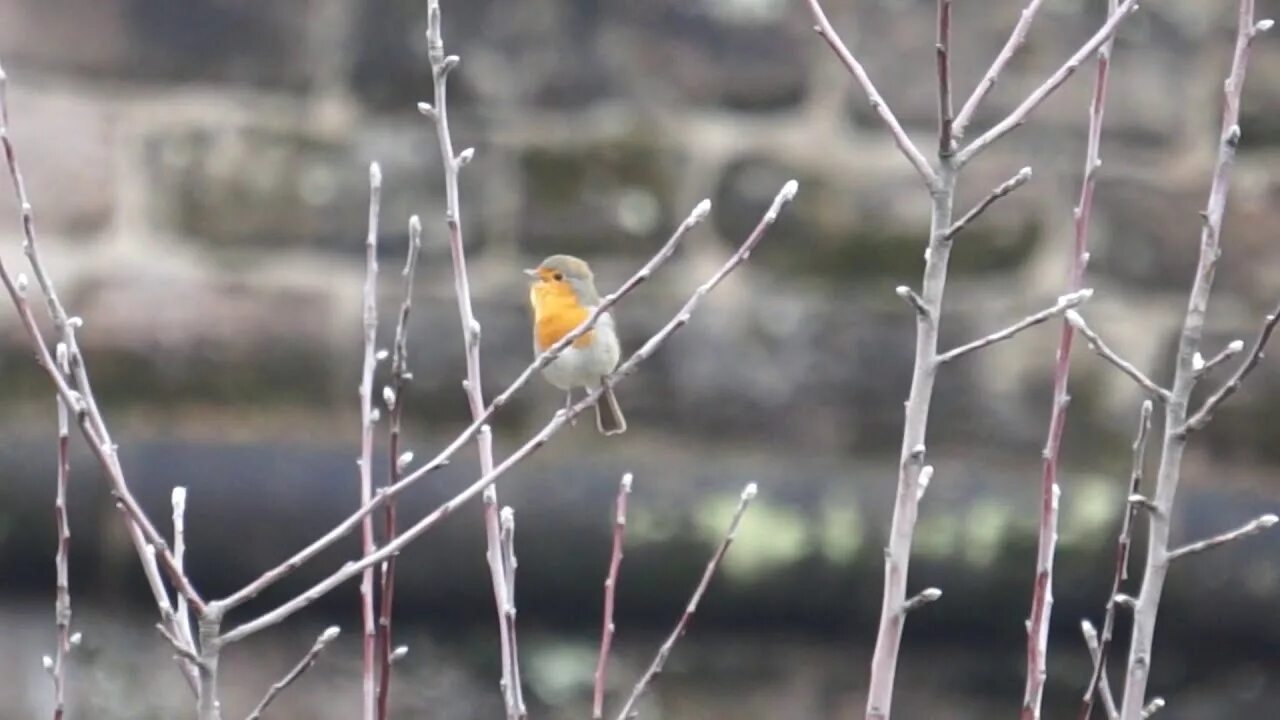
x: 1011, y: 46
x: 1229, y: 388
x: 1040, y: 94
x: 303, y: 665
x: 557, y: 422
x: 180, y: 648
x: 660, y: 659
x: 368, y: 416
x: 1065, y: 303
x: 394, y: 397
x: 1040, y: 617
x: 178, y: 499
x: 1250, y: 528
x: 900, y: 136
x: 1120, y: 573
x: 610, y: 590
x: 1104, y: 686
x: 62, y: 594
x: 1184, y: 377
x: 1003, y: 189
x: 1106, y: 353
x: 946, y: 145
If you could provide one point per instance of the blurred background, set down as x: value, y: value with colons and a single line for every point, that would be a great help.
x: 199, y: 175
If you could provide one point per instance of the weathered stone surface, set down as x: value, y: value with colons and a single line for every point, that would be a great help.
x: 728, y: 53
x: 612, y: 196
x: 66, y: 144
x: 232, y: 41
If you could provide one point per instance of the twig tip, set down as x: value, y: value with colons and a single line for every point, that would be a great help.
x: 626, y: 482
x: 1235, y: 346
x: 701, y: 211
x: 1268, y: 520
x: 375, y: 174
x: 179, y: 497
x: 749, y: 491
x: 330, y: 633
x: 1264, y: 25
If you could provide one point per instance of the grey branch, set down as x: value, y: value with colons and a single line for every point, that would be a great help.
x: 303, y: 665
x: 1153, y: 707
x: 368, y: 417
x: 1229, y: 388
x: 1003, y: 189
x: 908, y: 148
x: 610, y: 591
x: 748, y: 493
x: 180, y: 648
x: 1011, y: 46
x: 1040, y: 94
x: 1250, y: 528
x: 1065, y: 303
x: 1103, y: 685
x: 1106, y: 353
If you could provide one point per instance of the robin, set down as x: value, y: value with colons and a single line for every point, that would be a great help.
x: 563, y: 294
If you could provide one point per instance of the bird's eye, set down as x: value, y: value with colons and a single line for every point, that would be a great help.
x: 558, y: 276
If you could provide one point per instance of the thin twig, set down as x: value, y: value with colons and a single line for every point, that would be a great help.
x: 1124, y: 541
x: 507, y: 539
x: 1153, y: 707
x: 1040, y: 94
x: 1095, y: 653
x: 303, y: 665
x: 62, y: 599
x: 369, y: 416
x: 394, y: 398
x: 1252, y: 527
x: 178, y: 499
x: 339, y: 531
x: 557, y: 422
x: 441, y: 65
x: 878, y: 104
x: 1011, y: 46
x: 180, y: 648
x: 610, y: 591
x: 660, y: 659
x: 147, y: 541
x: 1065, y: 303
x: 1203, y: 367
x: 922, y: 598
x: 1229, y: 388
x: 1174, y: 442
x: 1041, y: 612
x: 1003, y: 189
x: 1106, y: 353
x: 946, y: 145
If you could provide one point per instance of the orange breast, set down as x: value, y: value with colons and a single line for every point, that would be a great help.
x: 556, y: 313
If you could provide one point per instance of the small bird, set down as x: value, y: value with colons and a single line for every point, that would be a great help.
x: 563, y: 294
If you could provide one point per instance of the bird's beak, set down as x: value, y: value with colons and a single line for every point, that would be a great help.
x: 531, y: 273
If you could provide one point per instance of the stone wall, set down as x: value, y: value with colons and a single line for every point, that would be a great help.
x: 199, y: 177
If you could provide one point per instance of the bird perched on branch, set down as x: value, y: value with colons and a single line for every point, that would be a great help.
x: 563, y: 294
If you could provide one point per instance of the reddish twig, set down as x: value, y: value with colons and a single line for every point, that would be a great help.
x: 946, y: 144
x: 610, y: 590
x: 558, y: 421
x: 394, y: 398
x: 664, y: 652
x: 1042, y: 591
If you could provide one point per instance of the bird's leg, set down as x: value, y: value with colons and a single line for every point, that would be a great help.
x: 568, y: 403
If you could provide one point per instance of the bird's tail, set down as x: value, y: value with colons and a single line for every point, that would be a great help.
x: 609, y: 417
